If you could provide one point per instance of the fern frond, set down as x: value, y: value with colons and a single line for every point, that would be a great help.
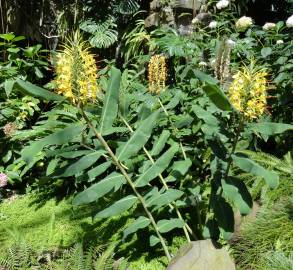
x: 127, y: 7
x: 105, y: 260
x: 104, y: 34
x: 270, y: 161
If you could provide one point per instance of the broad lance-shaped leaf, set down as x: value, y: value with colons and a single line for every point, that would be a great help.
x: 118, y: 207
x: 82, y: 164
x: 182, y: 166
x: 162, y: 199
x: 138, y: 138
x: 36, y: 91
x: 224, y: 215
x: 60, y: 137
x: 249, y: 166
x: 110, y: 107
x: 268, y: 128
x: 236, y: 191
x: 158, y: 167
x: 205, y: 77
x: 95, y: 172
x: 216, y: 95
x: 139, y: 223
x: 98, y: 190
x: 167, y: 225
x: 160, y: 143
x: 154, y: 240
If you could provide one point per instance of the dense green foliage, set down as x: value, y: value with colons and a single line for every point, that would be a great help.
x: 180, y: 135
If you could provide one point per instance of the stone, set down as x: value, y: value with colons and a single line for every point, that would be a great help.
x: 155, y: 5
x: 201, y: 255
x: 204, y: 18
x: 152, y: 20
x: 188, y: 4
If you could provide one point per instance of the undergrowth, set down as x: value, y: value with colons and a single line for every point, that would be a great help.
x: 271, y: 231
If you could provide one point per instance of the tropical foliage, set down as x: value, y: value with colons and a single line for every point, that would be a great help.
x: 185, y: 127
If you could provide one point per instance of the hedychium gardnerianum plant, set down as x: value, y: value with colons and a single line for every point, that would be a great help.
x: 101, y: 127
x: 109, y: 113
x: 236, y: 120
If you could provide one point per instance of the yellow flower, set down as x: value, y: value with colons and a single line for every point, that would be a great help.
x: 247, y: 92
x: 157, y: 73
x: 76, y: 71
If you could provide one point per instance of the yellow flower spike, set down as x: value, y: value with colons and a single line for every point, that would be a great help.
x: 247, y: 92
x: 76, y: 71
x: 157, y: 74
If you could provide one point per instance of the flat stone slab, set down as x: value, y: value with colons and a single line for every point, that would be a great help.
x: 201, y: 255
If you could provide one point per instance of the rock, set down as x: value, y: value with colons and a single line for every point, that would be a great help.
x: 152, y: 20
x: 204, y: 18
x: 201, y: 255
x: 155, y: 5
x: 188, y: 4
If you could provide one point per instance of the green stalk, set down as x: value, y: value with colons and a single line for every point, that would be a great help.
x: 236, y: 139
x: 128, y: 179
x: 186, y: 227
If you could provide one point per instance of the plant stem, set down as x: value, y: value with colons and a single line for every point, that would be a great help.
x: 186, y: 227
x: 236, y: 139
x: 129, y: 181
x: 175, y: 128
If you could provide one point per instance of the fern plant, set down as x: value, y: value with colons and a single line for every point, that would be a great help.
x: 104, y: 34
x: 94, y: 258
x: 18, y: 257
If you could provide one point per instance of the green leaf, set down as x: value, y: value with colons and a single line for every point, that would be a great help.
x: 224, y: 215
x: 110, y: 107
x: 265, y: 52
x: 268, y: 128
x: 216, y: 95
x: 93, y: 173
x: 236, y: 191
x: 211, y: 230
x: 52, y: 166
x: 154, y: 240
x: 158, y: 167
x: 139, y: 223
x: 249, y: 166
x: 182, y: 166
x: 138, y: 138
x: 8, y: 36
x: 58, y: 138
x: 8, y: 86
x: 205, y: 77
x: 36, y: 91
x: 82, y: 164
x: 98, y: 190
x: 159, y: 200
x: 118, y: 207
x: 167, y: 225
x: 160, y: 143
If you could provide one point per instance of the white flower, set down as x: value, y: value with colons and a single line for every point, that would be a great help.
x: 231, y: 43
x: 202, y: 64
x: 268, y: 26
x: 213, y: 24
x: 280, y: 41
x: 289, y: 22
x: 213, y: 62
x: 243, y: 23
x: 195, y: 20
x: 222, y: 4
